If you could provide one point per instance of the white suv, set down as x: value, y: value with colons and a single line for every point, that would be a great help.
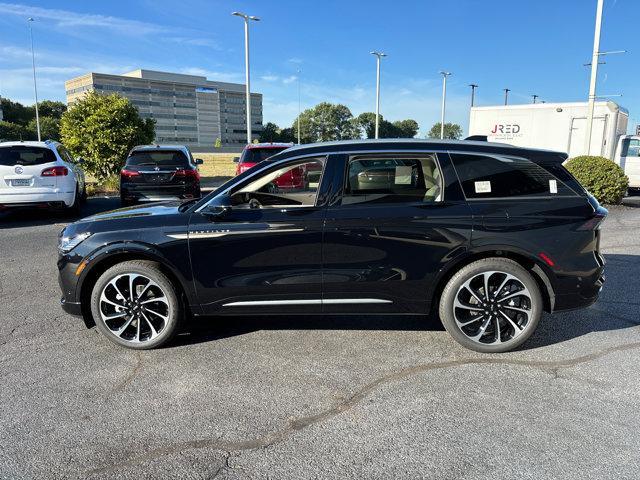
x: 39, y: 173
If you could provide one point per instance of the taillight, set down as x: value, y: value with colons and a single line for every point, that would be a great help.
x: 55, y: 172
x: 243, y: 168
x: 594, y: 223
x: 188, y: 174
x: 124, y: 173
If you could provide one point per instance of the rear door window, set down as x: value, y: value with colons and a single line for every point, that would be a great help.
x: 160, y: 158
x: 398, y: 178
x: 495, y: 176
x: 24, y: 155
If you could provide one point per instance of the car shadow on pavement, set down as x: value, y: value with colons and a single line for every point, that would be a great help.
x: 616, y: 309
x: 32, y: 217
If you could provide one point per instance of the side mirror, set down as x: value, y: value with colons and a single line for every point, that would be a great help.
x: 236, y: 159
x: 218, y: 208
x: 199, y: 161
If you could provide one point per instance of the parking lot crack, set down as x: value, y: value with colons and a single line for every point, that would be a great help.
x: 131, y: 376
x: 301, y: 423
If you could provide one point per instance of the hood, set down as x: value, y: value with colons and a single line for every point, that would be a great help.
x: 148, y: 210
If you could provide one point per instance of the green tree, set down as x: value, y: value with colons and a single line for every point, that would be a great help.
x: 51, y: 108
x: 325, y: 122
x: 218, y: 143
x: 366, y: 122
x: 452, y: 131
x: 406, y: 128
x: 15, y: 112
x: 49, y: 128
x: 270, y: 132
x: 12, y: 131
x: 102, y: 129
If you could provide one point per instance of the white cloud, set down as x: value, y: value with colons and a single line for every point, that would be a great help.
x: 290, y: 79
x: 213, y: 75
x: 270, y: 78
x: 196, y: 42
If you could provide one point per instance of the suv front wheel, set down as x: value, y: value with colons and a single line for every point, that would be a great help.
x: 135, y: 305
x: 491, y: 305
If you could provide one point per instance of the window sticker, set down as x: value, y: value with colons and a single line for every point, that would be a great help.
x: 553, y: 186
x: 403, y: 175
x: 483, y: 187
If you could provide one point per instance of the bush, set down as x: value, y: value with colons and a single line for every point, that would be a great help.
x: 102, y: 129
x: 601, y: 177
x: 107, y: 186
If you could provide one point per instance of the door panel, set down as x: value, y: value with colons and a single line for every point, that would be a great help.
x: 257, y: 255
x: 383, y: 254
x: 264, y: 254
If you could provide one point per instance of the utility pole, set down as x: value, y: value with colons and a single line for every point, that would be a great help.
x: 444, y: 101
x: 378, y: 55
x: 35, y: 85
x: 594, y: 76
x: 535, y: 98
x: 298, y: 106
x: 473, y: 93
x: 506, y: 95
x: 246, y: 65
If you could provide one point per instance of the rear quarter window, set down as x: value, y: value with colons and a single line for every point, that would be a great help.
x: 24, y: 155
x: 495, y: 176
x: 257, y: 155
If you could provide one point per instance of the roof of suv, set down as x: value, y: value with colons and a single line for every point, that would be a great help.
x: 18, y: 143
x: 268, y: 145
x: 416, y: 143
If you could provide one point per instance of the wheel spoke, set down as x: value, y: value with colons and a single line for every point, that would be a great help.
x: 504, y: 282
x: 148, y: 310
x: 498, y: 334
x: 469, y: 322
x: 466, y: 306
x: 514, y: 294
x: 123, y: 327
x: 485, y: 278
x: 132, y: 277
x: 162, y: 299
x: 116, y: 315
x: 153, y: 330
x: 482, y: 330
x: 473, y: 293
x: 517, y: 328
x: 518, y: 309
x: 138, y: 330
x: 104, y: 299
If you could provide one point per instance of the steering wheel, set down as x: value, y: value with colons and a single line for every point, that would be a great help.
x: 254, y: 203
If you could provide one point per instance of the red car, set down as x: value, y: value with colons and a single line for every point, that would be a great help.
x: 257, y: 152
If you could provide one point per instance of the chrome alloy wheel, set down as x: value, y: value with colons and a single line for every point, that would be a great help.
x: 492, y: 307
x: 134, y: 308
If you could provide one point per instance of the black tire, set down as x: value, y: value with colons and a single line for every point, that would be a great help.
x: 126, y: 203
x: 493, y: 307
x: 174, y: 311
x: 74, y: 209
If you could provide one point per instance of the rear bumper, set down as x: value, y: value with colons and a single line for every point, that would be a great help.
x: 159, y: 194
x: 585, y: 296
x: 18, y: 199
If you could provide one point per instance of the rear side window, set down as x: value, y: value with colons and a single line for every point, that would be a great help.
x: 162, y: 158
x: 392, y: 179
x: 23, y: 155
x: 630, y: 148
x: 485, y: 176
x: 257, y: 155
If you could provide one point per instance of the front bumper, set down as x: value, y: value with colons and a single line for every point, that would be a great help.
x: 72, y: 308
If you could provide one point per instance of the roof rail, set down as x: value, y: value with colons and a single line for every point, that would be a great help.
x: 477, y: 138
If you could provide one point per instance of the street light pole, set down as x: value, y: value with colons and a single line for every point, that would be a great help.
x: 473, y: 93
x: 506, y: 95
x: 35, y: 85
x: 246, y: 64
x: 378, y: 55
x: 444, y: 101
x: 298, y: 106
x: 594, y: 77
x: 535, y: 98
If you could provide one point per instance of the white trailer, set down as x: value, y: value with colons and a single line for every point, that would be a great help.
x: 552, y: 126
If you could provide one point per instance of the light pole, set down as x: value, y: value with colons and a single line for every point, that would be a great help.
x: 35, y: 85
x: 444, y: 101
x: 535, y: 98
x: 506, y: 95
x: 594, y: 77
x: 378, y: 55
x: 473, y: 93
x: 298, y: 106
x: 246, y: 64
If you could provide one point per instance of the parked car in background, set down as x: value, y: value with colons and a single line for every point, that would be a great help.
x: 257, y: 152
x: 159, y: 172
x: 487, y: 235
x: 40, y: 174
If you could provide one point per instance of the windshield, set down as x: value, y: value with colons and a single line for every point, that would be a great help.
x: 257, y: 155
x: 24, y: 155
x: 158, y: 157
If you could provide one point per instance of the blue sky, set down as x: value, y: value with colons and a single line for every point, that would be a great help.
x: 529, y: 46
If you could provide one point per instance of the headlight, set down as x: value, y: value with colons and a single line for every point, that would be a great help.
x: 67, y: 243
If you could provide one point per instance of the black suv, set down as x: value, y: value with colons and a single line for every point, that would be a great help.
x: 487, y: 235
x: 159, y: 172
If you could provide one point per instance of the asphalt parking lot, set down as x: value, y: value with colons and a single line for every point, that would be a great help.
x: 328, y: 397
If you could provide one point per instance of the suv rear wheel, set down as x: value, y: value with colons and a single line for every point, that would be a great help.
x: 135, y: 305
x: 491, y: 305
